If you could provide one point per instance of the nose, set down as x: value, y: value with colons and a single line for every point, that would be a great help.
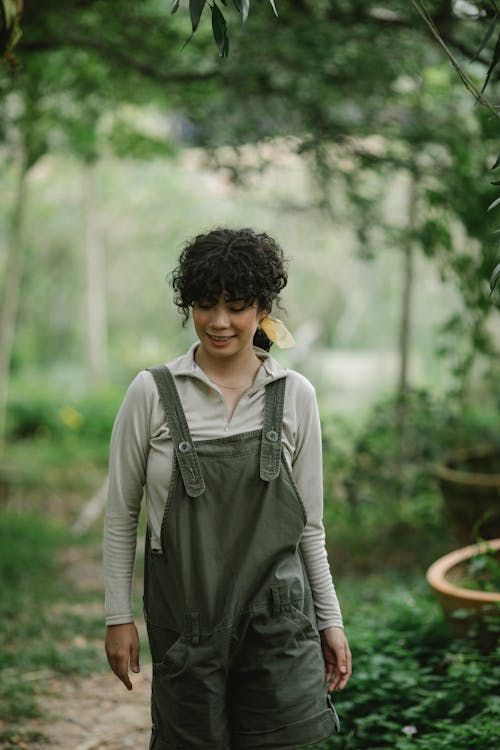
x: 220, y: 318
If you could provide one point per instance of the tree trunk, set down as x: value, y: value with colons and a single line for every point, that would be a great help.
x: 95, y: 286
x: 407, y: 290
x: 10, y: 293
x: 405, y: 329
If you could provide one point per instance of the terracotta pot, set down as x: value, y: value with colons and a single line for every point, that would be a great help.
x: 466, y: 610
x: 470, y: 485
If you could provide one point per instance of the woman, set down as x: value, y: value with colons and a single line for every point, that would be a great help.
x: 243, y: 622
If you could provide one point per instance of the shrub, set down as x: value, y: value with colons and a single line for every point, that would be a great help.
x: 412, y: 687
x: 383, y: 507
x: 35, y: 414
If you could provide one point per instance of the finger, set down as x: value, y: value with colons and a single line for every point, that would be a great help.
x: 122, y: 674
x: 134, y: 656
x: 341, y: 670
x: 334, y: 681
x: 345, y: 671
x: 119, y: 665
x: 329, y: 670
x: 343, y: 681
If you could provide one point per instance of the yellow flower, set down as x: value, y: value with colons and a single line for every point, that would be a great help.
x: 71, y: 418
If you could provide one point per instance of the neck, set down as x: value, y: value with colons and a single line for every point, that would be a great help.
x: 229, y: 371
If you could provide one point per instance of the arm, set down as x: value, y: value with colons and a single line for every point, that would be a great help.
x: 308, y: 475
x: 127, y: 475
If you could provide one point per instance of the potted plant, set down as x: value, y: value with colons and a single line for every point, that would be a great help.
x: 467, y: 582
x: 470, y: 486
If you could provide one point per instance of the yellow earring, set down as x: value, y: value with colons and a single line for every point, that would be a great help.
x: 277, y: 332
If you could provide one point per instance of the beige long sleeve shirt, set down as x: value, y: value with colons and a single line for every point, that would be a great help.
x: 141, y: 456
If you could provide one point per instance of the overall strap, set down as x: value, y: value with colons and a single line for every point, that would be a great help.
x: 185, y: 452
x: 270, y: 453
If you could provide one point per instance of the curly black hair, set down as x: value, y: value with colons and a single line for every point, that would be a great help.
x: 239, y: 262
x: 242, y: 263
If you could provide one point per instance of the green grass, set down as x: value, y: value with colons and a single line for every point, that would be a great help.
x: 42, y: 634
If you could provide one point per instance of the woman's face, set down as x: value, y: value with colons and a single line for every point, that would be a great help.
x: 226, y: 327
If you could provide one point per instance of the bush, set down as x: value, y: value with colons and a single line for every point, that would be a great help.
x: 27, y: 549
x: 412, y: 687
x: 44, y: 414
x: 383, y: 507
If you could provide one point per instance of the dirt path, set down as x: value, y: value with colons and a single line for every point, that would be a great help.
x: 95, y: 713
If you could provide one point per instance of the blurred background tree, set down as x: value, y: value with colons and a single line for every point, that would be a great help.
x: 361, y: 89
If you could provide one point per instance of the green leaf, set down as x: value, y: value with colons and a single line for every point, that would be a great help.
x: 175, y: 6
x: 195, y: 11
x: 9, y: 27
x: 497, y: 163
x: 486, y: 38
x: 274, y: 7
x: 495, y: 203
x: 493, y: 64
x: 219, y: 29
x: 243, y: 7
x: 495, y: 276
x: 224, y: 2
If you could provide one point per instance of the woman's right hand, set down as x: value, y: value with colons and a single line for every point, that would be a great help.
x: 122, y: 647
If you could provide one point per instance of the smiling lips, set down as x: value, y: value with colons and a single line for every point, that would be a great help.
x: 220, y: 340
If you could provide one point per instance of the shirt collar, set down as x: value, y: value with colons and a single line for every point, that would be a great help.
x: 186, y: 365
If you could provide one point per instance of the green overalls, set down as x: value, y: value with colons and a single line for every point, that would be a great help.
x: 237, y: 661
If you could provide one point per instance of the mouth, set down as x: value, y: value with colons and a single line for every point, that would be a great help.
x: 220, y: 340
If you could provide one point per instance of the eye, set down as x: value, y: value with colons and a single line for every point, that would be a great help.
x: 204, y: 304
x: 237, y: 305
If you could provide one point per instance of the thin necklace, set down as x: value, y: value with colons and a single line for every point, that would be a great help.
x: 232, y: 387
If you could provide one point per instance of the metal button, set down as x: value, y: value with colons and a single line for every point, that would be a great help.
x: 185, y: 447
x: 272, y: 436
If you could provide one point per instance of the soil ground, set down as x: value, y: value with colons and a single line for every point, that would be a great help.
x: 95, y: 713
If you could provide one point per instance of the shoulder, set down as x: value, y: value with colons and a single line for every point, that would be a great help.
x: 300, y: 386
x: 140, y: 393
x: 297, y: 385
x: 299, y: 390
x: 144, y: 383
x: 300, y: 398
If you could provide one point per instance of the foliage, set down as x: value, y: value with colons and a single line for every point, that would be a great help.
x: 378, y: 465
x: 485, y: 11
x: 482, y: 572
x: 57, y: 448
x: 77, y: 67
x: 495, y: 276
x: 219, y: 27
x: 349, y: 118
x: 29, y: 633
x: 382, y: 503
x: 9, y: 25
x: 411, y: 686
x: 27, y: 552
x: 48, y: 415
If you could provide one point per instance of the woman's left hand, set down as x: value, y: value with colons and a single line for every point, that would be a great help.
x: 337, y: 656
